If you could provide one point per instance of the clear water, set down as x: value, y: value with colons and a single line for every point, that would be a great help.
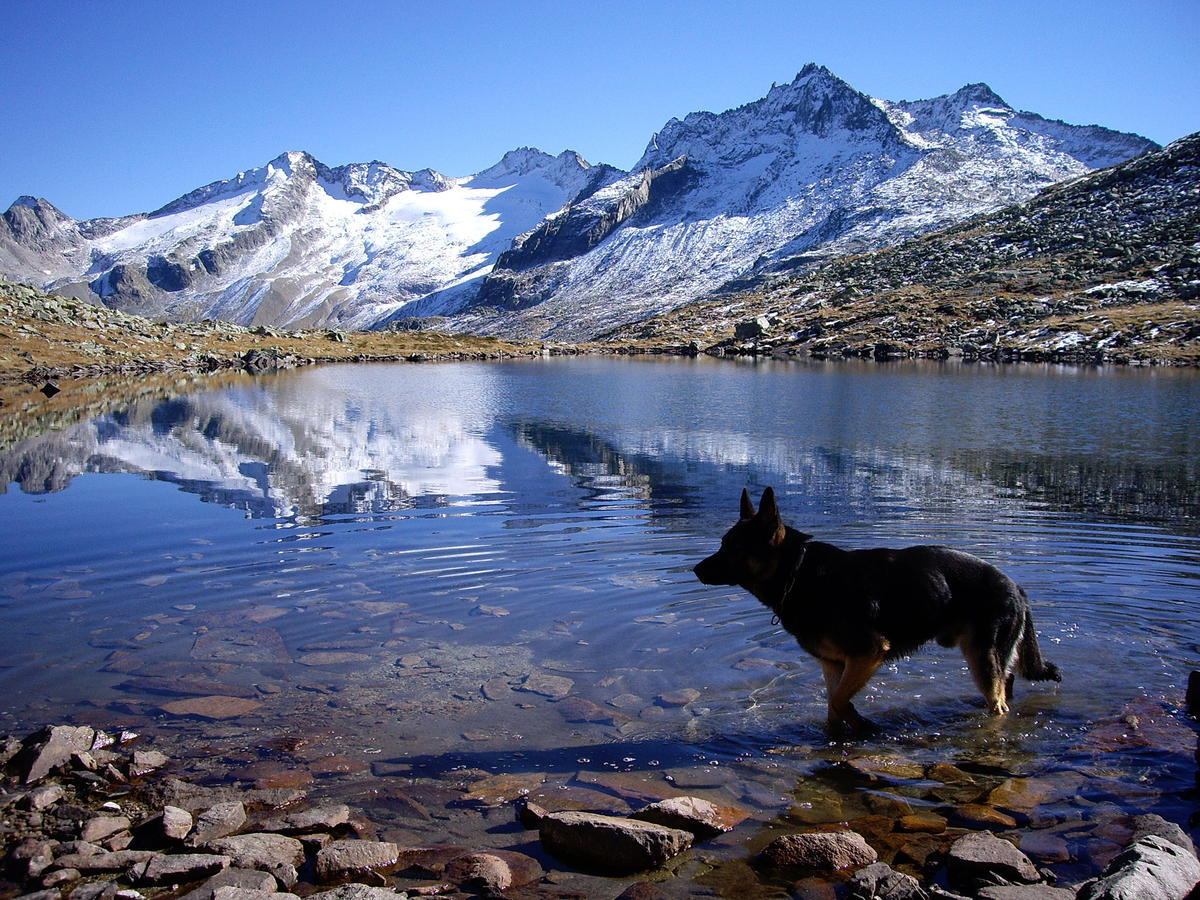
x: 359, y: 549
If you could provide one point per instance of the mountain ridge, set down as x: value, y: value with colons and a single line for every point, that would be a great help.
x: 538, y: 245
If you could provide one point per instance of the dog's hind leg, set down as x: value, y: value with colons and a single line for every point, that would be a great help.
x: 989, y: 675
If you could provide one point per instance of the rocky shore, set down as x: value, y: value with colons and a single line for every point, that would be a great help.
x: 95, y: 815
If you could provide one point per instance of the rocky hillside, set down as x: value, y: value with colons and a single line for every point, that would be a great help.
x: 1103, y: 267
x: 43, y: 336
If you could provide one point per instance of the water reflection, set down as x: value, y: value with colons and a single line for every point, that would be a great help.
x: 332, y: 441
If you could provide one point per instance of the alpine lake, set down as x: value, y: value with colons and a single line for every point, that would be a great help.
x: 429, y: 590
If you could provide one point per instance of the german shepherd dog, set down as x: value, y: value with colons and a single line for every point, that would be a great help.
x: 857, y: 609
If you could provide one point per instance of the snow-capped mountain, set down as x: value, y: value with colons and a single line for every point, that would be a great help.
x: 539, y: 245
x: 295, y: 242
x: 814, y: 169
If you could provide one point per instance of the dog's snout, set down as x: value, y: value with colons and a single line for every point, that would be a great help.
x: 710, y: 571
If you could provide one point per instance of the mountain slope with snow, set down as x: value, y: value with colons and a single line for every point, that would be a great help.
x: 815, y: 169
x: 539, y: 245
x: 295, y: 242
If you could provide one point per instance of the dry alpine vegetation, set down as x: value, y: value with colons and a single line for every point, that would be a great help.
x: 1105, y: 268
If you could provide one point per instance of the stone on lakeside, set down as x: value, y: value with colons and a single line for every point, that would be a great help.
x: 343, y: 860
x: 609, y: 844
x: 879, y: 881
x: 692, y: 814
x: 178, y: 867
x: 146, y: 761
x: 217, y: 821
x: 492, y: 872
x: 1025, y: 892
x: 275, y: 853
x: 43, y: 797
x: 977, y: 815
x: 98, y: 828
x: 31, y: 857
x: 927, y: 822
x: 1151, y: 868
x: 232, y: 892
x: 326, y: 817
x: 113, y: 861
x: 49, y: 748
x: 822, y: 851
x: 577, y: 709
x: 60, y: 877
x: 232, y: 877
x: 358, y: 892
x: 979, y: 859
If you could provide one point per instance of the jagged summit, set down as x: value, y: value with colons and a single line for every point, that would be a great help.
x: 980, y: 94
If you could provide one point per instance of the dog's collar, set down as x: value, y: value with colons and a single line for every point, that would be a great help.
x: 791, y: 583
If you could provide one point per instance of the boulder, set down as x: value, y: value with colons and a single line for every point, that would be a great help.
x: 91, y: 863
x: 700, y: 817
x: 359, y: 892
x: 275, y: 853
x: 97, y: 828
x: 1152, y: 868
x: 177, y: 868
x: 232, y: 877
x: 824, y: 851
x: 1025, y: 892
x: 217, y: 821
x: 879, y: 881
x: 1192, y: 698
x: 30, y: 858
x: 980, y: 859
x: 319, y: 818
x: 493, y: 871
x: 49, y: 748
x: 610, y: 844
x: 343, y: 860
x: 232, y: 892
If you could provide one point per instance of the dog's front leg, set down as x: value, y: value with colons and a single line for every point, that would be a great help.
x: 856, y: 672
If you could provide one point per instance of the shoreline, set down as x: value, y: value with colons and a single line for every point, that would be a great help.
x: 91, y: 814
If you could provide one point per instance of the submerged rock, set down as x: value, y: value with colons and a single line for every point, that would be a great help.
x: 608, y: 844
x: 692, y: 814
x: 825, y: 851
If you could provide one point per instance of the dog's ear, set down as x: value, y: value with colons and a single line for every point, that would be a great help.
x: 768, y: 511
x: 747, y: 505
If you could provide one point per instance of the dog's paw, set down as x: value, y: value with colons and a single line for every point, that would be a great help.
x: 855, y: 729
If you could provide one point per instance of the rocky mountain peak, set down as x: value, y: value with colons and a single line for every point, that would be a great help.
x: 815, y: 104
x: 979, y: 94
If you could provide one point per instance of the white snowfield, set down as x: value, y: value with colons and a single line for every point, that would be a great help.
x: 812, y: 168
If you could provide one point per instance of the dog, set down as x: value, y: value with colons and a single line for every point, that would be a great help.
x: 854, y: 610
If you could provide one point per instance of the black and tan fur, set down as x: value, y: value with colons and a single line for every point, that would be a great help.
x: 857, y: 609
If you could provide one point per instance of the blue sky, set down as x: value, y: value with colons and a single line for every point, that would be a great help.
x: 119, y: 106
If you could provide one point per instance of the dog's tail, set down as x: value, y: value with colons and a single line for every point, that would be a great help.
x: 1030, y: 662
